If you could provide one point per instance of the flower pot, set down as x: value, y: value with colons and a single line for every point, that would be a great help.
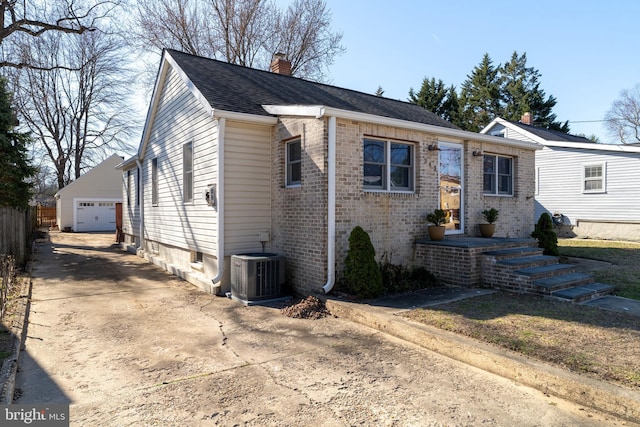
x: 487, y: 230
x: 436, y: 232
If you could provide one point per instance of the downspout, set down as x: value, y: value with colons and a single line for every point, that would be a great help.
x: 220, y: 202
x: 141, y: 201
x: 331, y: 206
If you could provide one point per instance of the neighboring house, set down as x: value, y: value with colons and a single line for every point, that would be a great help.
x: 89, y: 202
x: 592, y: 189
x: 235, y: 160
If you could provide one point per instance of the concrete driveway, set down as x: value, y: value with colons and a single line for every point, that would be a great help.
x: 125, y: 343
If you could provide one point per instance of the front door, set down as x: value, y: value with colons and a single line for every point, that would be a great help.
x: 451, y: 181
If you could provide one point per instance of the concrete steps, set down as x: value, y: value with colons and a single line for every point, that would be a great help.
x: 527, y: 270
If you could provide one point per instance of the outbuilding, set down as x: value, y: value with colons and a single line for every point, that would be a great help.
x: 89, y: 203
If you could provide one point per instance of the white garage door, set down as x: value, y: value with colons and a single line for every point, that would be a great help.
x: 95, y: 216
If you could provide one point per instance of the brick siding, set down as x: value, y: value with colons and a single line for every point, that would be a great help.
x: 394, y: 221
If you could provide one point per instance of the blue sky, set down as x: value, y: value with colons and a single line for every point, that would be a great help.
x: 586, y: 51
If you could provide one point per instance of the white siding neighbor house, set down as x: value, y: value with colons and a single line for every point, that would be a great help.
x: 235, y: 160
x: 592, y: 190
x: 89, y: 202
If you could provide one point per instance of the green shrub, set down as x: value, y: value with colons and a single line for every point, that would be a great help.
x: 398, y: 279
x: 547, y: 238
x: 362, y: 274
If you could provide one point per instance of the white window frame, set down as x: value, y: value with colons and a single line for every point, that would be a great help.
x: 386, y: 164
x: 187, y: 172
x: 290, y: 164
x: 497, y: 174
x: 128, y: 187
x: 602, y: 178
x: 154, y: 181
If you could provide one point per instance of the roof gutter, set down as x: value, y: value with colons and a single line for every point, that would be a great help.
x: 331, y: 206
x: 321, y: 110
x: 220, y: 201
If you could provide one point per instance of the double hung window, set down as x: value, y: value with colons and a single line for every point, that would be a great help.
x: 497, y: 175
x: 294, y: 163
x: 187, y: 172
x: 593, y: 178
x: 388, y: 165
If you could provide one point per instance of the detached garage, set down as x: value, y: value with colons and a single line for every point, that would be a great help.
x: 89, y: 202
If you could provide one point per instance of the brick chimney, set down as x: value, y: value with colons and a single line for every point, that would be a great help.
x: 281, y: 65
x: 526, y: 119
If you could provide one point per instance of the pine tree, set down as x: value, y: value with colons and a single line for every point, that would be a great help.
x: 520, y: 93
x: 506, y: 91
x: 436, y: 97
x: 480, y: 96
x: 15, y: 167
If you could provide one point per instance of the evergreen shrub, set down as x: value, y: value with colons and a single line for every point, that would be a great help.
x: 363, y: 277
x: 547, y: 238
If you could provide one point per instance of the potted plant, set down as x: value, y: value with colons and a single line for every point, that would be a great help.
x: 436, y: 230
x: 490, y: 216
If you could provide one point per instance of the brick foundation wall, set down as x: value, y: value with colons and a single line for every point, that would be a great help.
x: 466, y: 266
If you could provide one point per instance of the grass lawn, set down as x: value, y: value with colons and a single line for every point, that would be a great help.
x: 624, y: 272
x: 587, y: 340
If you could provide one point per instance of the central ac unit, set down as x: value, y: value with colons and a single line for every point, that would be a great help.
x: 257, y: 276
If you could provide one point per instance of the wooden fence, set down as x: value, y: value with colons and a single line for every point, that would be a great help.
x: 15, y: 232
x: 46, y: 216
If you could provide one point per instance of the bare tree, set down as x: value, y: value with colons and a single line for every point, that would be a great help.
x: 623, y: 119
x: 22, y: 21
x: 243, y: 32
x: 81, y: 114
x: 304, y: 35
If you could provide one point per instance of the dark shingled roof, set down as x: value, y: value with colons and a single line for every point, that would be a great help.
x: 240, y: 89
x: 551, y: 135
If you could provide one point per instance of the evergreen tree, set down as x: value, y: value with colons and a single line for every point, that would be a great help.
x: 436, y: 97
x: 480, y: 96
x: 506, y: 91
x: 361, y: 271
x: 15, y: 167
x: 520, y: 93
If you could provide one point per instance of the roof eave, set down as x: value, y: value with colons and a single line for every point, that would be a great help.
x: 321, y: 111
x: 127, y: 164
x: 593, y: 146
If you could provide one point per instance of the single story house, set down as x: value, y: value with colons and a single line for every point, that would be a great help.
x: 89, y: 202
x: 591, y: 189
x: 235, y: 160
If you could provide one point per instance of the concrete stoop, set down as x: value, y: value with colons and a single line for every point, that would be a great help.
x: 598, y: 395
x: 527, y: 270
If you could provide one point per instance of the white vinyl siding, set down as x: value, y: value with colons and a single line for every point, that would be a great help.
x: 561, y: 183
x: 180, y: 119
x: 247, y: 174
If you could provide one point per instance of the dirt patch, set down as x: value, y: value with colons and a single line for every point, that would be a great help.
x: 309, y: 308
x: 11, y: 317
x: 582, y: 339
